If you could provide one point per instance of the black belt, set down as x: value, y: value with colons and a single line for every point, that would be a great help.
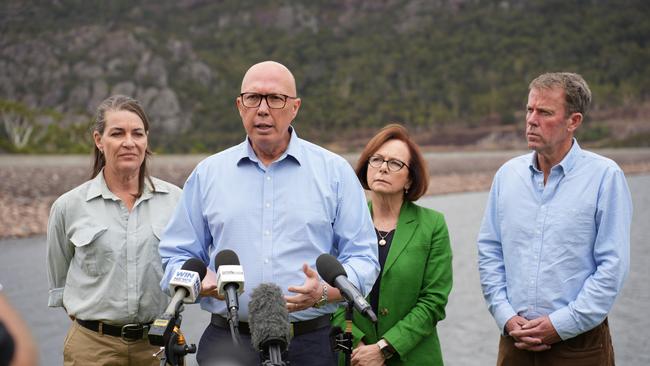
x: 297, y: 328
x: 128, y: 332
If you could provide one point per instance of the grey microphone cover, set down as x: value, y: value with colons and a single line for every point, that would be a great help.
x: 268, y: 317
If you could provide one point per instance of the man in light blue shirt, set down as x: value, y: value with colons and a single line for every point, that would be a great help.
x: 554, y: 242
x: 278, y: 202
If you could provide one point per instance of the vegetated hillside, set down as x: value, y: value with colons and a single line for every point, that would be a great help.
x: 456, y: 72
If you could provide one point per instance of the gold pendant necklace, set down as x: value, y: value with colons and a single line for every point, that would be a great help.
x: 382, y: 241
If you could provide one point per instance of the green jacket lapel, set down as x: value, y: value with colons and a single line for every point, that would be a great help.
x: 406, y: 226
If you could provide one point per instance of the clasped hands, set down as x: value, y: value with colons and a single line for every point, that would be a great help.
x: 532, y: 335
x: 306, y: 296
x: 367, y: 355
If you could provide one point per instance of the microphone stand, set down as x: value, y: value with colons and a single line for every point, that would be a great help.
x: 272, y: 356
x: 343, y: 340
x: 176, y: 347
x: 233, y: 321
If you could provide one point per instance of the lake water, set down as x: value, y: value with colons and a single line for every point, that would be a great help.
x: 468, y: 335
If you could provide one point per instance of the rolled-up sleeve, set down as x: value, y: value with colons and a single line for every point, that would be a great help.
x: 59, y: 254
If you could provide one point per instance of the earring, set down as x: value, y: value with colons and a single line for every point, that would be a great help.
x: 406, y: 190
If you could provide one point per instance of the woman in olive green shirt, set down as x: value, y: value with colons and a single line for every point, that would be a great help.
x: 410, y: 294
x: 102, y: 244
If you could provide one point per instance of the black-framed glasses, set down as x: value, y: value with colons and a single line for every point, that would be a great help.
x: 274, y: 101
x: 394, y: 165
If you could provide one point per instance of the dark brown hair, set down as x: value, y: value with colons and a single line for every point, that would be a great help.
x: 120, y: 103
x: 417, y: 166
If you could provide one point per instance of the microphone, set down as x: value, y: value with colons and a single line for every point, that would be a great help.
x: 269, y: 322
x: 185, y: 286
x: 230, y: 282
x: 186, y: 282
x: 334, y: 274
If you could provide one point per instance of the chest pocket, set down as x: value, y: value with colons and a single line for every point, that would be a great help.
x: 87, y: 249
x: 575, y: 225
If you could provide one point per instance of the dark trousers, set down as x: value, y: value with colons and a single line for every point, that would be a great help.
x: 592, y: 348
x: 216, y: 349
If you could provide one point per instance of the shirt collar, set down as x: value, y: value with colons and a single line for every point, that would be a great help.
x: 567, y: 163
x: 98, y: 187
x: 294, y: 149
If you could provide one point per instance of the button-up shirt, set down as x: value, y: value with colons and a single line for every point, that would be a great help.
x: 275, y: 218
x: 559, y: 249
x: 102, y: 260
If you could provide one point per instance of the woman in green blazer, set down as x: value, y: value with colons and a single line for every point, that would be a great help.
x: 411, y: 291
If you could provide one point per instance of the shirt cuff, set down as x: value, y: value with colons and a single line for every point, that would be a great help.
x: 56, y: 298
x: 502, y: 314
x: 564, y: 324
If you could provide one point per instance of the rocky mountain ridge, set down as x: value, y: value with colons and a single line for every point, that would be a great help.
x: 359, y: 63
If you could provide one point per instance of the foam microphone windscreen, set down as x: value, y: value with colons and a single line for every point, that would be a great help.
x: 226, y: 257
x: 268, y: 317
x: 329, y: 268
x: 195, y: 265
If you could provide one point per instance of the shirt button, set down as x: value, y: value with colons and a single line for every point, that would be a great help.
x: 266, y: 260
x: 267, y: 232
x: 268, y: 178
x: 268, y: 205
x: 538, y: 231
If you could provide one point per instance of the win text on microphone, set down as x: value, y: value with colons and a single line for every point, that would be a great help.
x: 184, y: 287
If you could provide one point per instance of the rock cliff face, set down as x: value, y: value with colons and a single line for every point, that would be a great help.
x: 70, y: 62
x: 438, y: 66
x: 72, y: 72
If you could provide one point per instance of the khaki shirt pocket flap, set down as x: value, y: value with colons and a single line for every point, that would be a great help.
x: 158, y: 231
x: 87, y: 235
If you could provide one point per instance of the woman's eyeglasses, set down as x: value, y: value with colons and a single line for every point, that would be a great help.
x: 394, y: 165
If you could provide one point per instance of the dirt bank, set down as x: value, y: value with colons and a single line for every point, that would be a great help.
x: 29, y: 184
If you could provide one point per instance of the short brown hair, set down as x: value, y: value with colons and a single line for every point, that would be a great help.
x: 417, y: 166
x: 576, y: 90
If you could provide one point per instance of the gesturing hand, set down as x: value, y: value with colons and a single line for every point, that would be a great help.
x: 308, y: 294
x: 209, y: 285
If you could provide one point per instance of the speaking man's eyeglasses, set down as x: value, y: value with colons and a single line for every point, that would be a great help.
x: 274, y: 101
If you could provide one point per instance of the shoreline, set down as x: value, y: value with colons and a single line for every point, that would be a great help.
x: 29, y: 184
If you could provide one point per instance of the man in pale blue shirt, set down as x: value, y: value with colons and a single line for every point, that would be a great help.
x: 278, y: 202
x: 554, y: 243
